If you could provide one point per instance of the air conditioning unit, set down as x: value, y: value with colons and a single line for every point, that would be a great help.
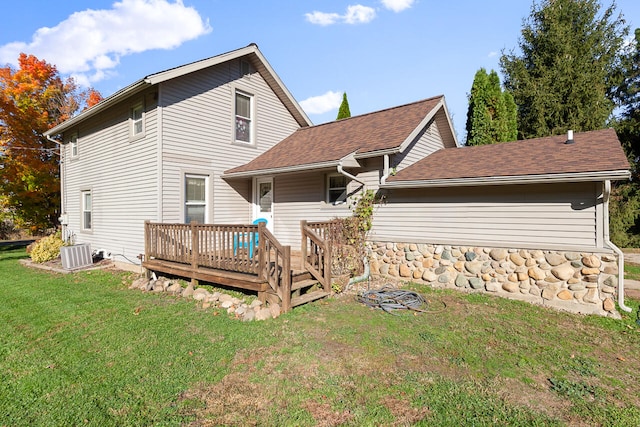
x: 76, y: 256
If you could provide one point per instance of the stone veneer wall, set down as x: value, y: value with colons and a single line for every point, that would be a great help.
x: 575, y: 281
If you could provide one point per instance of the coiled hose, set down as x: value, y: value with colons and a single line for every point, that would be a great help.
x: 389, y: 298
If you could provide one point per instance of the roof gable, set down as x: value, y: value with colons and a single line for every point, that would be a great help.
x: 250, y: 52
x: 592, y: 152
x: 367, y: 135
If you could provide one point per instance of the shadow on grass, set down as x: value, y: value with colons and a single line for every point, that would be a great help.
x: 13, y: 252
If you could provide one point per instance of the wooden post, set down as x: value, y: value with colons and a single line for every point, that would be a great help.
x: 303, y: 244
x: 262, y: 244
x: 327, y: 265
x: 194, y: 245
x: 286, y: 279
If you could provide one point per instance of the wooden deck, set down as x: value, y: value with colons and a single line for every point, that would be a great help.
x: 246, y: 257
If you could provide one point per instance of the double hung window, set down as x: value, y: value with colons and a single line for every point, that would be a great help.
x: 244, y: 118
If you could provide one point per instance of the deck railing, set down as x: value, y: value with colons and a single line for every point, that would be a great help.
x: 225, y: 247
x: 275, y: 260
x: 316, y: 250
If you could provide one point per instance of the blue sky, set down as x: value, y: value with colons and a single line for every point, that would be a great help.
x: 382, y: 53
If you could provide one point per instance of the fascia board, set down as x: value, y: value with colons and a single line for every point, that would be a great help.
x: 286, y: 169
x: 512, y: 180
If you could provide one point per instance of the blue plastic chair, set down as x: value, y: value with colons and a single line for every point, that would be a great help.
x: 247, y: 241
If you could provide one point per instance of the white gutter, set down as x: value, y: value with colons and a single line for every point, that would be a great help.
x: 506, y: 180
x: 385, y: 170
x: 605, y: 197
x: 285, y: 169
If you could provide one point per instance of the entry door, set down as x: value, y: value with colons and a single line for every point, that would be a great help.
x: 263, y: 201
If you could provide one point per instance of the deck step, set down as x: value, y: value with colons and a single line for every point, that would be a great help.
x: 308, y: 297
x: 303, y: 284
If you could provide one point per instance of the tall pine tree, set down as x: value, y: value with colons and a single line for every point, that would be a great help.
x: 491, y: 114
x: 344, y: 112
x: 566, y: 68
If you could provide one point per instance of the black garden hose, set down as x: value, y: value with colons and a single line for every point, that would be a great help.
x: 389, y: 298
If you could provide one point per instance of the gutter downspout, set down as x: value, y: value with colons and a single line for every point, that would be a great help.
x: 385, y: 170
x: 347, y: 174
x: 605, y: 197
x: 63, y: 162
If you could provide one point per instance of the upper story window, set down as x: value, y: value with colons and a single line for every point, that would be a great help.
x: 244, y: 118
x: 86, y: 210
x: 137, y: 120
x: 73, y: 142
x: 336, y: 189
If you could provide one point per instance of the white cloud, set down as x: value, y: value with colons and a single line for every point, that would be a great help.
x: 321, y: 18
x: 90, y: 43
x: 355, y: 14
x: 359, y: 14
x: 398, y: 5
x: 323, y: 103
x: 492, y: 54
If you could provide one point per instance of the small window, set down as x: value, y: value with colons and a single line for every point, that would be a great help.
x: 195, y: 199
x: 74, y: 145
x: 336, y: 189
x: 244, y: 122
x: 86, y: 210
x: 137, y: 120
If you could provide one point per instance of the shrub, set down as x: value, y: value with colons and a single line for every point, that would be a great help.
x: 47, y: 248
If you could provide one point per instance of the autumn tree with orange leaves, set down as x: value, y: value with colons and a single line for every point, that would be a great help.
x: 33, y: 99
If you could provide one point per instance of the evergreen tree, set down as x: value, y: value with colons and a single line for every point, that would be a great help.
x: 344, y: 112
x: 567, y: 67
x: 491, y: 113
x: 625, y: 200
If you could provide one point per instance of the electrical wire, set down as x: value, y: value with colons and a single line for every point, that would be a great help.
x: 389, y: 298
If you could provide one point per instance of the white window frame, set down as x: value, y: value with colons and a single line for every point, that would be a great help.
x: 342, y: 198
x: 204, y: 203
x: 137, y: 121
x: 73, y: 144
x: 251, y: 118
x: 86, y: 210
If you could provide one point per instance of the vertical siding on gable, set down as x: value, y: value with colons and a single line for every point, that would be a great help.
x: 427, y: 143
x: 121, y: 173
x: 522, y: 216
x: 198, y: 119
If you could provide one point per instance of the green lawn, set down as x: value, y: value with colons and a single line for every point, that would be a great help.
x: 82, y: 349
x: 632, y: 271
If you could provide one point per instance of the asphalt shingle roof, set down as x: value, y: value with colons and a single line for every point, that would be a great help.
x: 380, y: 130
x: 594, y: 151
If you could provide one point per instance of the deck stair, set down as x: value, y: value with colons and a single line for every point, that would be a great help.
x: 208, y: 252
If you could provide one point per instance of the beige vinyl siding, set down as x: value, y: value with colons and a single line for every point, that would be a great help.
x: 523, y: 216
x: 121, y: 174
x: 428, y: 142
x: 198, y: 118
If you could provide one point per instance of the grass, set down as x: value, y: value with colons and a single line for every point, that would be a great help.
x: 82, y: 349
x: 632, y: 271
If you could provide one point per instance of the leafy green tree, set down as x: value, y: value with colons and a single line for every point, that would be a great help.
x: 491, y: 115
x: 563, y: 77
x: 344, y: 112
x: 625, y: 200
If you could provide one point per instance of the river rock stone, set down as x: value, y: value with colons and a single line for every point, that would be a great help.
x: 565, y: 295
x: 591, y: 261
x: 611, y: 281
x: 188, y: 291
x: 405, y: 271
x: 536, y: 273
x: 175, y: 289
x: 476, y: 283
x: 444, y: 278
x: 498, y: 254
x: 517, y: 259
x: 492, y: 286
x: 563, y: 272
x: 429, y: 276
x: 470, y: 256
x: 608, y: 304
x: 263, y: 314
x: 511, y: 287
x: 274, y: 309
x: 427, y: 263
x: 554, y: 258
x: 607, y: 289
x: 248, y: 316
x: 592, y: 296
x: 587, y: 271
x: 461, y: 281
